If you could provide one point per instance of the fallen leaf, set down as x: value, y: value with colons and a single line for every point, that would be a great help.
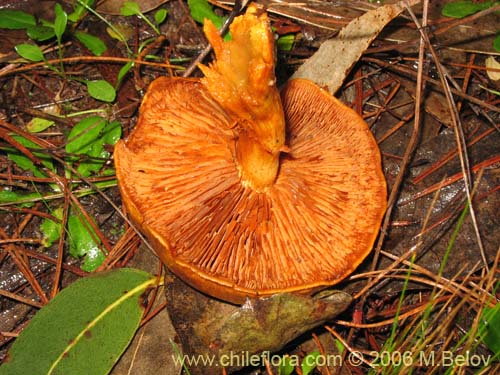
x: 491, y: 63
x: 329, y: 66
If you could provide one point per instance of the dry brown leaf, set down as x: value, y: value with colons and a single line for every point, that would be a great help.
x: 329, y: 66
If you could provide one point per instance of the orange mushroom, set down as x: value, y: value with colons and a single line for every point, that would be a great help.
x: 243, y: 193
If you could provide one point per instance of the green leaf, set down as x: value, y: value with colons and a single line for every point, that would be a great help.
x: 93, y: 43
x: 83, y: 134
x: 112, y: 133
x: 286, y: 366
x: 30, y: 52
x: 101, y: 90
x: 285, y: 42
x: 160, y: 16
x: 14, y: 197
x: 496, y: 43
x: 38, y: 124
x: 60, y: 22
x: 123, y: 72
x: 15, y: 19
x: 40, y: 33
x: 24, y: 162
x: 201, y: 9
x: 84, y: 329
x: 80, y: 10
x: 310, y: 362
x: 490, y: 327
x: 130, y: 8
x: 83, y: 241
x: 51, y: 230
x: 461, y: 9
x: 340, y: 346
x: 88, y: 137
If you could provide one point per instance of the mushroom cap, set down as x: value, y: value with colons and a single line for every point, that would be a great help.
x: 310, y: 229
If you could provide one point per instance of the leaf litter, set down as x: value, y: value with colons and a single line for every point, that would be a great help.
x: 381, y: 86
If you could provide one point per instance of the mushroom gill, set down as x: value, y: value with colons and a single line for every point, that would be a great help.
x: 187, y: 183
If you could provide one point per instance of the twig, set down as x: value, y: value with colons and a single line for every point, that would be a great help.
x: 459, y: 133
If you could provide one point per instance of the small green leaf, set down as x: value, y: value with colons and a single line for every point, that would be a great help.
x: 461, y: 9
x: 340, y: 346
x: 51, y: 230
x: 80, y: 10
x: 83, y: 134
x: 40, y: 33
x: 130, y: 8
x: 310, y: 362
x: 24, y: 162
x: 38, y: 124
x: 14, y: 197
x: 87, y: 339
x: 93, y: 43
x: 83, y: 241
x: 496, y: 43
x: 286, y: 366
x: 112, y: 133
x: 15, y: 19
x: 93, y: 259
x: 490, y: 327
x: 285, y: 42
x: 123, y: 72
x: 88, y: 137
x: 201, y: 9
x: 60, y: 22
x: 30, y: 52
x: 160, y: 16
x: 101, y: 90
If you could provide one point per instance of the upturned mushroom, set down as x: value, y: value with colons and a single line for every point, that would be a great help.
x: 246, y: 192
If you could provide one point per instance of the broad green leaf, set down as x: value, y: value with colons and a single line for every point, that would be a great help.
x: 80, y: 10
x: 461, y: 9
x: 160, y: 16
x: 310, y: 362
x: 93, y: 43
x: 51, y: 230
x: 101, y: 90
x: 24, y: 162
x: 60, y: 22
x: 83, y: 134
x: 38, y: 124
x: 84, y: 329
x: 130, y: 8
x: 490, y: 326
x: 123, y: 72
x: 83, y: 241
x: 201, y: 9
x: 286, y: 366
x: 15, y: 19
x: 30, y: 52
x: 40, y: 33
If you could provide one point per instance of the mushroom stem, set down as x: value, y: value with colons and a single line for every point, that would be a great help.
x: 242, y: 81
x: 257, y: 163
